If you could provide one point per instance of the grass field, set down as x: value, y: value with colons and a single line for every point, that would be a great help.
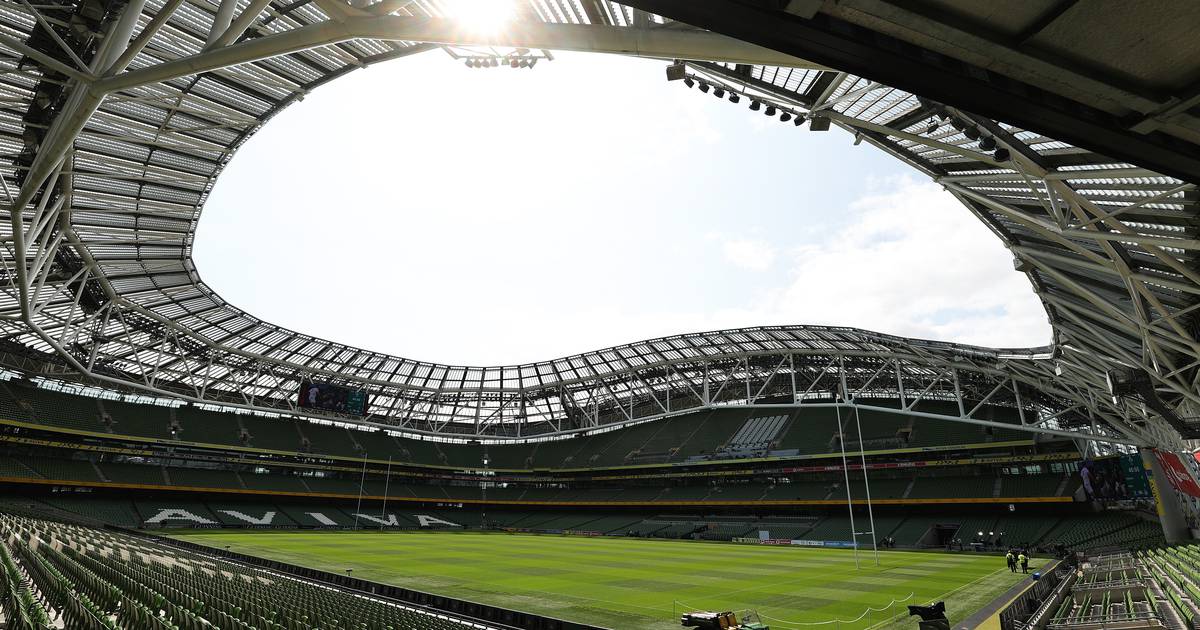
x: 633, y: 583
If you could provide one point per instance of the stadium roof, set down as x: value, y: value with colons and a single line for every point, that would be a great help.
x: 118, y: 116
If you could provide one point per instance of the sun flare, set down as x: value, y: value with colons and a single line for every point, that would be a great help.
x: 486, y: 17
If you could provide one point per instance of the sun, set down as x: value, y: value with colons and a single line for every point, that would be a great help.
x: 485, y: 17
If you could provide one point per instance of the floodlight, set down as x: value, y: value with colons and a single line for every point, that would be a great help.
x: 755, y: 106
x: 933, y: 126
x: 719, y: 92
x: 689, y: 82
x: 820, y: 123
x: 987, y: 143
x: 799, y: 120
x: 704, y: 87
x: 972, y: 132
x: 770, y: 110
x: 785, y: 116
x: 1002, y: 155
x: 734, y: 98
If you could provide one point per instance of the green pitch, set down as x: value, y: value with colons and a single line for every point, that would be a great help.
x: 634, y: 583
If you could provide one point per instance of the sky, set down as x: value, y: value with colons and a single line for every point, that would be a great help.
x: 498, y: 216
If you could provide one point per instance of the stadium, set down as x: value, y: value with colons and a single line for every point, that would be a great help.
x: 169, y: 460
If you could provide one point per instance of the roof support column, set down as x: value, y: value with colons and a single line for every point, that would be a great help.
x: 221, y: 21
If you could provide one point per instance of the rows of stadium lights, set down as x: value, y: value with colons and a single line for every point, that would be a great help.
x: 986, y: 142
x: 720, y: 91
x: 494, y: 61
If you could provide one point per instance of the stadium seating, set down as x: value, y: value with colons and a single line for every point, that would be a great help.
x: 757, y: 434
x: 830, y: 528
x: 305, y: 515
x: 1026, y: 531
x: 134, y: 473
x: 1031, y: 485
x: 879, y: 430
x: 884, y: 486
x: 781, y: 530
x: 331, y: 485
x: 203, y: 478
x: 275, y: 434
x: 910, y: 532
x: 1100, y: 530
x: 111, y: 511
x: 207, y: 427
x: 929, y: 432
x: 12, y: 467
x: 810, y: 431
x: 150, y: 421
x: 881, y: 487
x: 1084, y: 531
x: 708, y: 435
x: 62, y: 410
x: 791, y: 491
x: 282, y: 483
x: 151, y: 510
x: 331, y: 440
x: 12, y: 406
x: 940, y: 487
x: 59, y: 468
x: 157, y: 586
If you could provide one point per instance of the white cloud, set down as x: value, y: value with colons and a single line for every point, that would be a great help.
x: 750, y: 254
x: 916, y: 263
x: 911, y: 261
x: 570, y: 216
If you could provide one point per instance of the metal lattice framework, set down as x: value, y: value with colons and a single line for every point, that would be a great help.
x: 117, y: 116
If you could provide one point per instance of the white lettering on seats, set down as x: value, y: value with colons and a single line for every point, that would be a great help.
x: 321, y: 518
x: 266, y: 519
x: 426, y: 521
x: 391, y: 519
x: 170, y: 514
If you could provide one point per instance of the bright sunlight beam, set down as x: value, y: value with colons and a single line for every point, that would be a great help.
x: 485, y: 17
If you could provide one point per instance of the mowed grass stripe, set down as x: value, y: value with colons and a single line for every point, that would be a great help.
x: 620, y: 582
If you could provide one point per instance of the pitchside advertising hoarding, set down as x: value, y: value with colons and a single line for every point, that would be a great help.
x: 832, y: 544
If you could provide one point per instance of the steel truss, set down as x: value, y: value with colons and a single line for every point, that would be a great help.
x: 117, y: 116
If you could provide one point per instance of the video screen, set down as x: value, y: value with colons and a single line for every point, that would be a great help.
x: 327, y: 397
x: 1115, y: 478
